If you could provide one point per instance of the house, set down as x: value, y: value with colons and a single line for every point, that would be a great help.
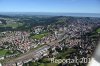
x: 0, y: 64
x: 0, y: 22
x: 2, y: 57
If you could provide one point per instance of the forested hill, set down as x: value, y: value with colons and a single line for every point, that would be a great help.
x: 27, y: 22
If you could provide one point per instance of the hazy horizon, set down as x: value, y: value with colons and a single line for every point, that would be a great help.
x: 52, y: 14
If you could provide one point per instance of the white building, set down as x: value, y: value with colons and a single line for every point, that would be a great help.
x: 0, y: 22
x: 0, y: 64
x: 1, y: 58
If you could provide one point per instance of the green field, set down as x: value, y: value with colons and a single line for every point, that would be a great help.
x: 64, y: 54
x: 98, y: 30
x: 39, y: 36
x: 48, y: 64
x: 3, y: 52
x: 13, y: 25
x: 52, y: 64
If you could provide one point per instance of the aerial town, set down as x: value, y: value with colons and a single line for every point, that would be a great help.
x: 33, y: 40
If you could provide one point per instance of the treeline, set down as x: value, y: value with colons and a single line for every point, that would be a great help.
x: 32, y: 21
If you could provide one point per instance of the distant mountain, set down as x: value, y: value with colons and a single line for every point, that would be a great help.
x: 5, y: 16
x: 51, y: 14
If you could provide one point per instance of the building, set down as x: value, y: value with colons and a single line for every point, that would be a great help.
x: 0, y: 64
x: 2, y: 57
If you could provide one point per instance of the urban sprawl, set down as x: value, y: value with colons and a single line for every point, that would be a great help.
x: 23, y: 42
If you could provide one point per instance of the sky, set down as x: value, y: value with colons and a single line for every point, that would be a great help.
x: 62, y: 6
